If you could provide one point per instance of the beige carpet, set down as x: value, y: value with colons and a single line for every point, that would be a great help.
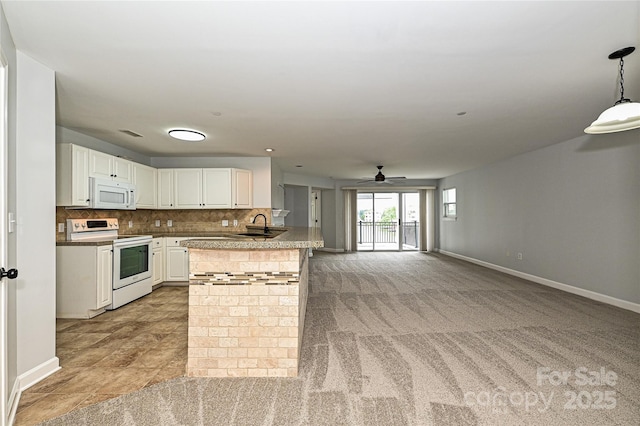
x: 420, y: 339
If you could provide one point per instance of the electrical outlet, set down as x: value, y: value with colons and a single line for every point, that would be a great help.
x: 519, y: 257
x: 158, y: 223
x: 61, y: 227
x: 169, y: 223
x: 130, y: 224
x: 225, y: 223
x: 235, y: 222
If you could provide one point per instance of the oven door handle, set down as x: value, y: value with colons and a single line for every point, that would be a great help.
x: 128, y: 244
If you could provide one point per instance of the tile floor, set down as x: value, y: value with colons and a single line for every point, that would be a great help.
x: 121, y: 351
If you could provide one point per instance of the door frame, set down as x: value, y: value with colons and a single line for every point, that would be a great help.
x: 316, y: 208
x: 4, y: 237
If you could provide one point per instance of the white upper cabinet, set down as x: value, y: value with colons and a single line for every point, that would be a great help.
x: 72, y: 177
x: 145, y: 179
x: 189, y: 188
x: 165, y: 189
x: 107, y: 166
x: 205, y: 189
x: 187, y: 185
x: 242, y: 188
x: 216, y: 188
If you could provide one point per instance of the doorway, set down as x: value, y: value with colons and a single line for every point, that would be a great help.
x: 388, y: 221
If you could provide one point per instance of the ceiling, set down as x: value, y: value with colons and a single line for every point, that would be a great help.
x: 334, y: 87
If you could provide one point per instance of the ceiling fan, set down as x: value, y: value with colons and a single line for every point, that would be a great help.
x: 380, y: 178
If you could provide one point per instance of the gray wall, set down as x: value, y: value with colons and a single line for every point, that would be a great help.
x: 296, y: 200
x: 571, y: 209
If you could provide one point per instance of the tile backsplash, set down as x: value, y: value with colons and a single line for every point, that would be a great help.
x: 183, y: 220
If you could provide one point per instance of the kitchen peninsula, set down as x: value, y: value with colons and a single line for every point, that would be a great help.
x: 247, y: 301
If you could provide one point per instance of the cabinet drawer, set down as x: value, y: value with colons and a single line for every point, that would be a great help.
x: 173, y: 242
x: 157, y: 243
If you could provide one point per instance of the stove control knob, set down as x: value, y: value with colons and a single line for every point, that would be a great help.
x: 77, y: 225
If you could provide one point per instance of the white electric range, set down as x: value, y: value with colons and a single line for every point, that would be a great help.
x: 132, y: 257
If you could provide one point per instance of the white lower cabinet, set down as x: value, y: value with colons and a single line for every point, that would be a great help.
x: 158, y: 260
x: 176, y: 261
x: 84, y: 280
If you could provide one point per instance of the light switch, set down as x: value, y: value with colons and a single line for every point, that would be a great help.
x: 157, y: 222
x: 61, y: 227
x: 130, y: 224
x: 235, y: 222
x: 225, y: 223
x: 169, y: 223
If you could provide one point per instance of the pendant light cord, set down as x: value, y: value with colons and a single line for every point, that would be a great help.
x: 622, y: 98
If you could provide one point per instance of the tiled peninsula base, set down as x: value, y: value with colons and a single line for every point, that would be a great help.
x: 246, y: 312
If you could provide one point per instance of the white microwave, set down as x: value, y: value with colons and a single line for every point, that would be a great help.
x: 107, y: 194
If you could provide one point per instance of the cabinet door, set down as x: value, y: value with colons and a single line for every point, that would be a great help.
x: 104, y: 276
x: 158, y: 265
x: 100, y: 165
x: 177, y: 263
x: 79, y: 175
x: 165, y: 188
x: 188, y: 188
x: 146, y: 181
x: 122, y: 170
x: 72, y: 175
x: 242, y: 187
x: 216, y: 188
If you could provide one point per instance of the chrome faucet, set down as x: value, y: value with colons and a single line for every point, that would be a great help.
x: 266, y: 228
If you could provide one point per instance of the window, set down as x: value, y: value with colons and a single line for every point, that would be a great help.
x: 449, y: 203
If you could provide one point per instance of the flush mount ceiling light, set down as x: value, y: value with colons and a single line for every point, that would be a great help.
x: 187, y: 135
x: 269, y: 149
x: 625, y: 114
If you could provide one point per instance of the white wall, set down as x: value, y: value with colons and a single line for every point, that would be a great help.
x: 261, y: 167
x: 571, y: 209
x: 64, y: 135
x: 35, y: 183
x: 277, y: 186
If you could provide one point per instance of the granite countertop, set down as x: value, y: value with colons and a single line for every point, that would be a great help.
x: 294, y: 237
x: 289, y: 237
x: 84, y: 243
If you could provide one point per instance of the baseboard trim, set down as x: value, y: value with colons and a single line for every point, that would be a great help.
x: 14, y: 400
x: 26, y: 380
x: 330, y: 250
x: 630, y: 306
x: 38, y: 373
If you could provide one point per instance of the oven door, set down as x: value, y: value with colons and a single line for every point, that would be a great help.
x: 131, y: 262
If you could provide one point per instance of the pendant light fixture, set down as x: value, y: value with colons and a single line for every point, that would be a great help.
x: 625, y: 114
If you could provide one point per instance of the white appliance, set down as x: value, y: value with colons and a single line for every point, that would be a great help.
x: 108, y: 194
x: 132, y: 257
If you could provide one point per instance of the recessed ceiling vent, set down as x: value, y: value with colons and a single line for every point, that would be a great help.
x: 131, y: 133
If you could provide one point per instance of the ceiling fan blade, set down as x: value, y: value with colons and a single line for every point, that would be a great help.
x: 396, y: 177
x: 366, y: 181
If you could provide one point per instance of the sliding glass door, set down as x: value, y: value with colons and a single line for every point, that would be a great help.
x: 387, y: 221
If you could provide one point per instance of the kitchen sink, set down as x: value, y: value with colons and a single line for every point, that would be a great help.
x: 258, y: 234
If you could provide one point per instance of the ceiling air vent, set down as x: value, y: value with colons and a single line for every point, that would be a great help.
x: 131, y: 133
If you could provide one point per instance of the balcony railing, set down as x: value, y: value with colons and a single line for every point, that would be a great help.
x: 387, y: 232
